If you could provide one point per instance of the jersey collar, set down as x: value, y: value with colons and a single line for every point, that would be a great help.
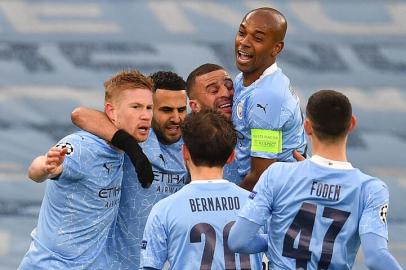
x: 331, y: 163
x: 268, y: 71
x: 214, y: 181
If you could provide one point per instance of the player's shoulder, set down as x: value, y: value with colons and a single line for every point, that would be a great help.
x: 370, y: 184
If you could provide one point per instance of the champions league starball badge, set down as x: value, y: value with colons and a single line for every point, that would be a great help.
x: 68, y: 146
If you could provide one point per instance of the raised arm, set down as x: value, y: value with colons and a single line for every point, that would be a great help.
x: 49, y: 166
x: 94, y: 121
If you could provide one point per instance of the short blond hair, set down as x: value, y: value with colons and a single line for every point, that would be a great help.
x: 125, y: 80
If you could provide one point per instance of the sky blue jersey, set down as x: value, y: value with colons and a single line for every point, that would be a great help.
x: 190, y: 229
x: 78, y: 208
x: 170, y: 175
x: 267, y: 118
x: 231, y: 173
x: 318, y: 209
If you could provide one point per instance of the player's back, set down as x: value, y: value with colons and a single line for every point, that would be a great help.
x: 195, y: 222
x: 316, y: 211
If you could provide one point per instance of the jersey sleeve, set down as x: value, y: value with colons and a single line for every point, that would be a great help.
x: 154, y: 250
x: 374, y: 215
x: 258, y: 207
x: 77, y: 157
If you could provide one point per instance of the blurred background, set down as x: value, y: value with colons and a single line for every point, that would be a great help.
x: 55, y: 55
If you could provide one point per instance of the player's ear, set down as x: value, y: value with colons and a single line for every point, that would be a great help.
x: 185, y: 153
x: 231, y: 157
x: 308, y: 127
x: 110, y: 111
x: 277, y: 48
x: 194, y: 105
x: 353, y: 123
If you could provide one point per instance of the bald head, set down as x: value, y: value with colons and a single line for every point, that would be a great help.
x: 259, y: 41
x: 271, y: 18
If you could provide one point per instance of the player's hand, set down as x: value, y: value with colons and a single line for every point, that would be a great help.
x: 54, y: 160
x: 298, y: 156
x: 143, y: 168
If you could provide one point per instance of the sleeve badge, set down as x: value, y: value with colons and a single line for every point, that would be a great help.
x: 383, y: 212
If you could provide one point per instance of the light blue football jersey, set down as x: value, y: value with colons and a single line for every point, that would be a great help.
x: 78, y: 208
x: 268, y: 113
x: 190, y: 229
x: 318, y: 210
x: 231, y: 173
x: 170, y: 175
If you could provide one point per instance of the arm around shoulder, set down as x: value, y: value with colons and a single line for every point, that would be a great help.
x: 93, y: 121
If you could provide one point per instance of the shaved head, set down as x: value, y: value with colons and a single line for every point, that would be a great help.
x: 274, y: 18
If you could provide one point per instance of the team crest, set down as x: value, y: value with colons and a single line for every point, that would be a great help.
x: 239, y: 109
x: 68, y: 146
x: 383, y: 212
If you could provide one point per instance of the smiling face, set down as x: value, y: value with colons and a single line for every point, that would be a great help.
x: 131, y: 110
x: 258, y: 41
x: 169, y: 113
x: 213, y: 90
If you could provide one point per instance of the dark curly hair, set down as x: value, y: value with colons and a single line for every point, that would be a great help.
x: 167, y: 80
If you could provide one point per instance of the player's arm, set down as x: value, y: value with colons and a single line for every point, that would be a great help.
x: 99, y: 124
x: 298, y: 156
x: 258, y: 166
x: 49, y: 166
x: 376, y: 253
x: 252, y: 242
x: 94, y: 121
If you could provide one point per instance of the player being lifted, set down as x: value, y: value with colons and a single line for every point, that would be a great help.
x: 81, y: 205
x: 320, y: 208
x: 266, y: 111
x: 190, y: 228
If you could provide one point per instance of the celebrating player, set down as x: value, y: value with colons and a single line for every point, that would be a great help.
x: 163, y: 149
x: 81, y: 204
x: 210, y: 87
x: 320, y: 208
x: 207, y: 206
x: 266, y: 111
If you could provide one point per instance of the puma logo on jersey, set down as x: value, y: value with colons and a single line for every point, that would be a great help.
x: 262, y: 107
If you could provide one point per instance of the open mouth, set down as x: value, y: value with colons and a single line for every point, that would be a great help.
x: 143, y: 130
x: 243, y: 56
x: 173, y: 129
x: 225, y: 106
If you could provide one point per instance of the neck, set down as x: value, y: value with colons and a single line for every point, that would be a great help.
x: 332, y: 150
x: 205, y: 173
x: 250, y: 77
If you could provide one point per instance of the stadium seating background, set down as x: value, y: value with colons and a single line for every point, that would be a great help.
x: 55, y: 55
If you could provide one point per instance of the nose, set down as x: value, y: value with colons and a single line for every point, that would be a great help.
x: 176, y: 116
x: 146, y: 114
x: 244, y: 41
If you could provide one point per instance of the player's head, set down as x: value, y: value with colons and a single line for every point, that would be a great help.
x: 329, y: 116
x: 128, y: 103
x: 210, y: 86
x: 259, y: 40
x: 209, y: 139
x: 169, y: 105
